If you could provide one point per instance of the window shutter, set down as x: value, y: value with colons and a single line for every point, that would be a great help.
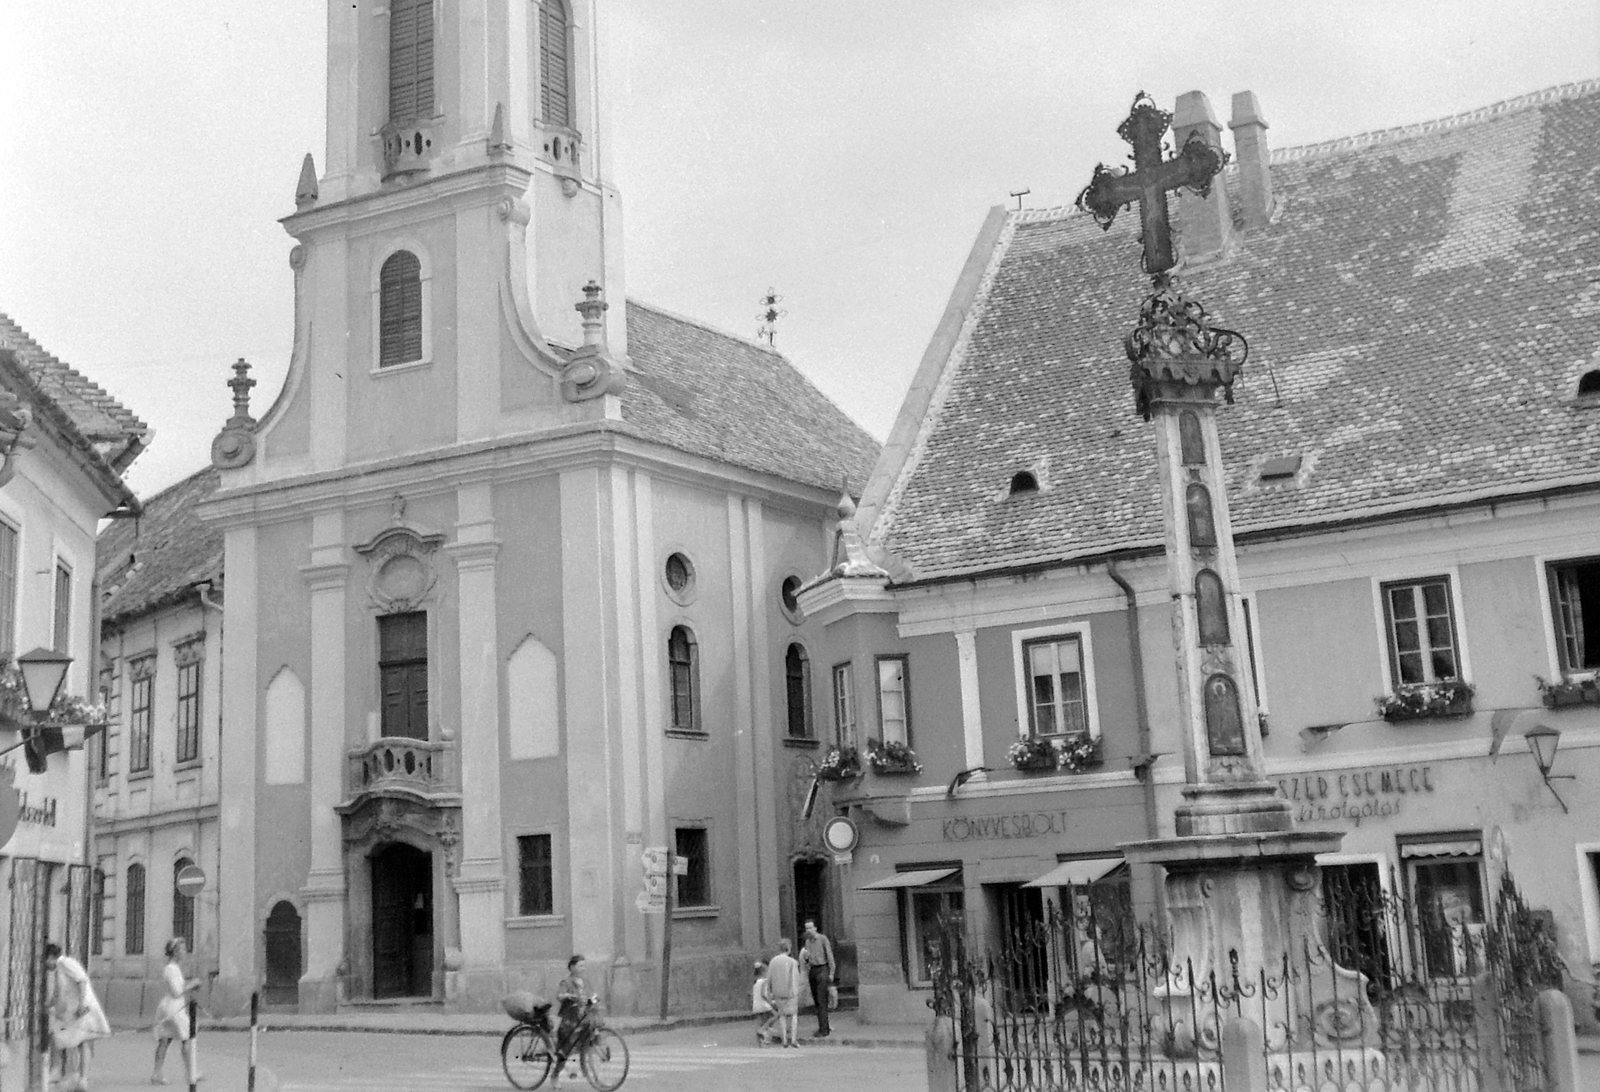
x: 417, y: 700
x: 400, y: 309
x: 1569, y: 605
x: 555, y: 80
x: 410, y: 60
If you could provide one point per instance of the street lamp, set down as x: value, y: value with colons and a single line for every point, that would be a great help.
x: 43, y: 671
x: 1542, y: 743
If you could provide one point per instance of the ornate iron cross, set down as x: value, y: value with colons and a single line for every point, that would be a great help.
x: 1114, y: 189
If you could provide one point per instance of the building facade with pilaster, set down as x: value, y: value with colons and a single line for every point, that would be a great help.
x: 510, y: 558
x: 1412, y: 464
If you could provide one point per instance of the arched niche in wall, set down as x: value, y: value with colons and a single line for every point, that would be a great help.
x: 532, y: 708
x: 1191, y: 442
x: 285, y: 735
x: 1202, y: 525
x: 1212, y: 607
x: 1224, y: 721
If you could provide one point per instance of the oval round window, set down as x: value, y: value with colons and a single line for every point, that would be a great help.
x: 679, y: 576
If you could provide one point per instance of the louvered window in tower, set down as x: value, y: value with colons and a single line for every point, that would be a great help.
x: 400, y: 310
x: 555, y: 64
x: 410, y: 60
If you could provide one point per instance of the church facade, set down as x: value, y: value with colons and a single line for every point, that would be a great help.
x: 510, y: 560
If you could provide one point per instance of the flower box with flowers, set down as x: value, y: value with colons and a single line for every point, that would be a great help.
x: 1071, y: 754
x: 1569, y: 692
x: 892, y: 757
x: 1426, y: 701
x: 840, y: 764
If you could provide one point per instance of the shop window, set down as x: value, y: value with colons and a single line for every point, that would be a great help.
x: 536, y: 876
x: 1420, y: 622
x: 133, y: 912
x: 694, y: 887
x: 1575, y: 609
x: 844, y: 705
x: 929, y: 909
x: 683, y: 681
x: 1057, y: 702
x: 797, y: 691
x: 1446, y: 881
x: 403, y: 674
x: 894, y: 705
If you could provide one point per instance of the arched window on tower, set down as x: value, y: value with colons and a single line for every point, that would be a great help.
x: 683, y: 678
x: 555, y: 64
x: 400, y: 310
x: 410, y: 60
x: 797, y: 689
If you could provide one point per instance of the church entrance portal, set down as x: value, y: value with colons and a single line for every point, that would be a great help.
x: 809, y: 893
x: 402, y: 922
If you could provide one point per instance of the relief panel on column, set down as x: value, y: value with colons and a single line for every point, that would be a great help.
x: 533, y: 712
x: 285, y: 737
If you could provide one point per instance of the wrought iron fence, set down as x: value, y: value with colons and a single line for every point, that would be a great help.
x: 1373, y: 995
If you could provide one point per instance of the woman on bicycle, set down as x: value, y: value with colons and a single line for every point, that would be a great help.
x: 571, y: 994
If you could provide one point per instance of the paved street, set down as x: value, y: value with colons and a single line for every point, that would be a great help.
x: 708, y: 1059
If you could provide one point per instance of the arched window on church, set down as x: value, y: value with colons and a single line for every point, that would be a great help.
x: 400, y: 310
x: 683, y: 679
x: 555, y: 64
x: 410, y: 60
x: 797, y: 691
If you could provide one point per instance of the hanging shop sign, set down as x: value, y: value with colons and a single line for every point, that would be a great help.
x: 1355, y: 796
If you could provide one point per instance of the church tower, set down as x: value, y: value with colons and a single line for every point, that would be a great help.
x: 505, y: 557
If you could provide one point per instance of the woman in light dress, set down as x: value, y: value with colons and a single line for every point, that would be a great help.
x: 76, y: 1018
x: 172, y: 1014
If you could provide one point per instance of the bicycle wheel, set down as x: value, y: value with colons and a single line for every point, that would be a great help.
x: 604, y: 1059
x: 526, y: 1055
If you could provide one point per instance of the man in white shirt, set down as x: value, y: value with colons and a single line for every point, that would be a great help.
x: 783, y: 988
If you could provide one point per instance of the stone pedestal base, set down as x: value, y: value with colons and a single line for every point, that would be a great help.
x: 320, y: 995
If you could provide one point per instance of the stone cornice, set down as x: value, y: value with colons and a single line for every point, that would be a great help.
x: 499, y: 179
x: 595, y: 443
x: 326, y: 577
x: 476, y: 554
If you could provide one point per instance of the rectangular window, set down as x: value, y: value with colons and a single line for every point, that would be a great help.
x: 140, y: 713
x: 1575, y: 609
x: 1448, y: 894
x: 133, y: 915
x: 1359, y: 917
x: 536, y: 893
x: 797, y: 692
x: 8, y: 588
x: 63, y: 616
x: 928, y: 908
x: 894, y: 700
x: 844, y: 704
x: 1056, y: 704
x: 1422, y: 631
x: 189, y: 712
x: 694, y: 888
x: 97, y: 910
x: 403, y: 674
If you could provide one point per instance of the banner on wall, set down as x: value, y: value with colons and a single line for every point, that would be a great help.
x: 49, y: 809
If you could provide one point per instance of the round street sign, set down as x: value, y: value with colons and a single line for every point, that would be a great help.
x: 190, y: 881
x: 840, y: 834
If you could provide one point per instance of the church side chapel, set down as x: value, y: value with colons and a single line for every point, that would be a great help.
x: 510, y: 560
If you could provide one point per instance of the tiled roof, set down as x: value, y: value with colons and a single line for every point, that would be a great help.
x: 110, y: 426
x: 715, y: 395
x: 153, y: 560
x: 1419, y: 312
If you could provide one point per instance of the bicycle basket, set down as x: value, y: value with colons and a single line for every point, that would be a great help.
x: 527, y: 1008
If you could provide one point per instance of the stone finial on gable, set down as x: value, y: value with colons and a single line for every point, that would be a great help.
x: 847, y: 542
x: 235, y: 445
x: 305, y: 191
x: 590, y: 371
x: 1204, y: 223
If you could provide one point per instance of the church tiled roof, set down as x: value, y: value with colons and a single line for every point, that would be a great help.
x: 116, y: 433
x: 711, y: 394
x: 1419, y: 311
x: 155, y: 559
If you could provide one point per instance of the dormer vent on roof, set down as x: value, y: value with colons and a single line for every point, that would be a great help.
x: 1023, y: 481
x: 1589, y: 383
x: 1282, y: 468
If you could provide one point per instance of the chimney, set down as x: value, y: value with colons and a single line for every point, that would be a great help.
x: 1250, y: 145
x: 1204, y: 223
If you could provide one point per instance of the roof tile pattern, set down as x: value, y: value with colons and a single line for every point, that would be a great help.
x: 104, y: 421
x: 710, y: 394
x: 1418, y: 313
x: 152, y: 561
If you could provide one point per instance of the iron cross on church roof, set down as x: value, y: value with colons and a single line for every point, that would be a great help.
x: 1113, y: 189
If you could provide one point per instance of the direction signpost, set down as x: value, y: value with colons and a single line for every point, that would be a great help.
x: 656, y: 898
x: 190, y: 881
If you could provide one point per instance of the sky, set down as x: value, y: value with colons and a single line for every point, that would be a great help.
x: 842, y: 153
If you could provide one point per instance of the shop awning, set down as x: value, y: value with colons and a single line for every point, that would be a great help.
x: 1462, y: 848
x: 909, y: 879
x: 1077, y: 873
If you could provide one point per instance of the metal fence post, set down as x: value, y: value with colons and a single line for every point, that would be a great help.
x: 1560, y: 1042
x: 1244, y: 1067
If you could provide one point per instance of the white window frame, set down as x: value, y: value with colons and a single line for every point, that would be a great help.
x: 375, y: 305
x: 1589, y: 895
x: 844, y: 703
x: 1019, y: 638
x: 904, y: 659
x: 1541, y: 566
x: 1452, y: 573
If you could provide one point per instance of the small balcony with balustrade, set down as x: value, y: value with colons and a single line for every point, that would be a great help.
x: 412, y: 769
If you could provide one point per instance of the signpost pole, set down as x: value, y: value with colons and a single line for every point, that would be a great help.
x: 666, y: 934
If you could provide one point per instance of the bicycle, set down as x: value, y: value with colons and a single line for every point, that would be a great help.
x: 528, y: 1051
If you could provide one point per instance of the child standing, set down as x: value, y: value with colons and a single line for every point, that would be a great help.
x: 765, y: 1015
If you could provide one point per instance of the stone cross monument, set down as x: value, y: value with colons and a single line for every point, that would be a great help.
x: 1238, y: 875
